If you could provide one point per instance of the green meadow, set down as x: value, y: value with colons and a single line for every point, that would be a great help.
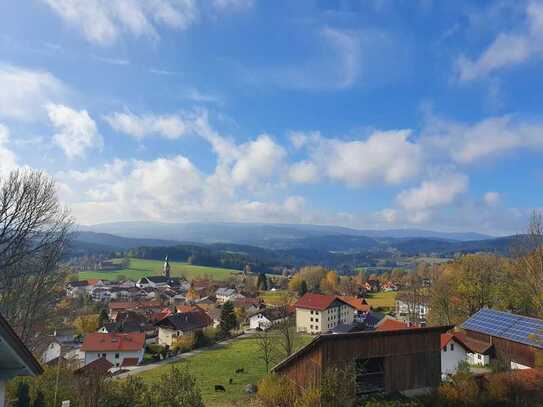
x: 138, y: 268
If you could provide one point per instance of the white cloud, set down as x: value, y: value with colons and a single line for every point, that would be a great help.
x: 233, y: 4
x: 104, y: 21
x: 168, y: 126
x: 8, y: 160
x: 257, y: 160
x: 431, y: 194
x: 508, y: 49
x: 488, y: 138
x: 77, y: 132
x: 385, y: 156
x: 492, y: 198
x: 25, y: 92
x: 347, y: 46
x: 304, y: 172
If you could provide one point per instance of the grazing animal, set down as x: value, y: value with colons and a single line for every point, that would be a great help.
x: 240, y: 370
x: 231, y: 381
x: 219, y: 387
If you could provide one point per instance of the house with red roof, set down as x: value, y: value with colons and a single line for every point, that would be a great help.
x: 458, y: 347
x: 389, y: 324
x: 114, y: 347
x: 318, y: 313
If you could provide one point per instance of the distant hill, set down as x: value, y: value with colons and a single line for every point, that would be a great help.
x: 258, y: 234
x: 108, y: 242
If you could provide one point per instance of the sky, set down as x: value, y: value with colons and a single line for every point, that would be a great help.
x: 369, y: 114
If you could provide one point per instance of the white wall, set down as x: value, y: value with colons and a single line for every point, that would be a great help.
x: 451, y: 357
x: 478, y: 359
x: 259, y: 321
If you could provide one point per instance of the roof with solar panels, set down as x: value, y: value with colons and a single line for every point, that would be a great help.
x: 516, y: 328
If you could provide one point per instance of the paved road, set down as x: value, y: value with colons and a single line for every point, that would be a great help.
x: 177, y: 358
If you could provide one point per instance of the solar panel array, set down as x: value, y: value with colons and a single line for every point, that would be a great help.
x: 513, y: 327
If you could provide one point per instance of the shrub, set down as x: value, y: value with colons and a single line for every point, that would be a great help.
x: 309, y: 398
x: 338, y: 387
x: 276, y: 391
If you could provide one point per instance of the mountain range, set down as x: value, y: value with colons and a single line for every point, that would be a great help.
x: 259, y: 234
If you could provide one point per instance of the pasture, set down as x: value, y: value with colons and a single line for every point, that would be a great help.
x: 216, y: 366
x: 138, y: 268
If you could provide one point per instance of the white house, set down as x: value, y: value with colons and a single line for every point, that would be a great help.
x: 317, y: 313
x: 457, y: 347
x: 115, y: 347
x: 412, y: 309
x: 266, y: 318
x: 224, y: 294
x: 181, y: 324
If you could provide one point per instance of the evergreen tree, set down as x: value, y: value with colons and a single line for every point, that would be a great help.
x: 103, y: 318
x: 303, y: 288
x: 228, y: 318
x: 23, y: 397
x: 262, y: 282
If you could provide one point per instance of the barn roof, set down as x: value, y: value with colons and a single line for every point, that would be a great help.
x: 335, y: 337
x: 513, y: 327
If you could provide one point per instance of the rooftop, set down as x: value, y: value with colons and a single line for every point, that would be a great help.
x: 318, y: 302
x: 111, y: 342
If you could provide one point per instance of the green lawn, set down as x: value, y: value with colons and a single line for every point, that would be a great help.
x: 274, y: 297
x: 382, y: 299
x: 217, y: 366
x: 139, y: 268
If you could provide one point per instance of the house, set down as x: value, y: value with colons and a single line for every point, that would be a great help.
x: 158, y: 281
x: 250, y: 305
x: 404, y: 360
x: 15, y: 358
x: 373, y: 286
x: 360, y: 305
x: 390, y: 286
x: 181, y: 324
x: 62, y: 344
x: 316, y: 313
x: 114, y: 347
x: 76, y: 288
x: 389, y: 324
x: 372, y: 319
x: 268, y: 317
x: 455, y: 348
x: 145, y: 307
x: 511, y: 339
x: 225, y: 294
x: 412, y: 308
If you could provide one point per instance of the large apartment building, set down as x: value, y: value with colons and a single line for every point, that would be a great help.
x: 317, y: 313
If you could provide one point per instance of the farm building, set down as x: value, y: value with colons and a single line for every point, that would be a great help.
x: 388, y: 361
x: 512, y: 339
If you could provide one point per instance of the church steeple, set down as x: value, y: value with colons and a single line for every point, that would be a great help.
x: 166, y: 268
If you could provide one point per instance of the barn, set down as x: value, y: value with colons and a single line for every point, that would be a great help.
x: 387, y: 361
x: 513, y: 340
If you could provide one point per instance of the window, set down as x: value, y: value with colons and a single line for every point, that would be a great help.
x: 445, y: 348
x: 478, y: 356
x: 316, y: 319
x: 311, y: 319
x: 452, y: 346
x: 116, y: 356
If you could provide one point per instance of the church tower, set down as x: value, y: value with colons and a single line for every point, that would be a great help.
x: 166, y: 268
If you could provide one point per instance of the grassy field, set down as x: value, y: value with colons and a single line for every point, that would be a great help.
x: 382, y: 299
x: 139, y: 268
x: 274, y: 297
x: 217, y: 366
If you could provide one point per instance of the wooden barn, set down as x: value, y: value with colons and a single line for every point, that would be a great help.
x: 384, y: 362
x: 514, y: 340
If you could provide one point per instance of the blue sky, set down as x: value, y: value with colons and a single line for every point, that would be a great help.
x: 368, y: 114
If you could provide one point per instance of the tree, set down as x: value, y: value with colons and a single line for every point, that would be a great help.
x: 85, y: 324
x: 34, y: 230
x: 228, y: 318
x: 266, y: 348
x: 23, y: 397
x: 329, y: 284
x: 287, y: 331
x: 39, y: 401
x: 103, y: 317
x: 175, y: 388
x: 303, y: 288
x: 262, y: 283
